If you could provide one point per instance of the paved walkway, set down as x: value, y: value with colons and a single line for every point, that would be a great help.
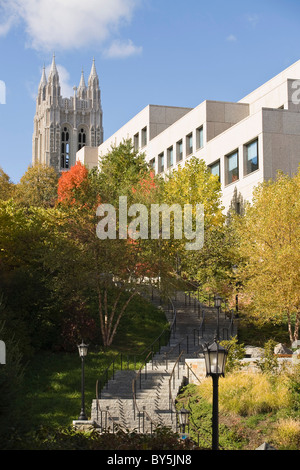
x: 142, y: 400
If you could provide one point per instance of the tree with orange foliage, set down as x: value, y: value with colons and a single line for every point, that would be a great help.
x: 106, y: 272
x: 72, y: 184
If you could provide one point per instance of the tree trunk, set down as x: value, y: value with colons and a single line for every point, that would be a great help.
x: 107, y: 324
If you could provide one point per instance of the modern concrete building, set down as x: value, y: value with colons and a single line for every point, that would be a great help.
x: 64, y: 125
x: 244, y: 143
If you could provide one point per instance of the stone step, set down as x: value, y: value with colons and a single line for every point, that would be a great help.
x: 152, y: 384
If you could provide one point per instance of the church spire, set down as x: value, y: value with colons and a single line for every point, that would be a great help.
x: 53, y: 71
x: 63, y: 125
x: 82, y: 90
x: 93, y: 70
x: 42, y: 88
x: 93, y: 78
x: 43, y: 81
x: 53, y: 86
x: 82, y: 81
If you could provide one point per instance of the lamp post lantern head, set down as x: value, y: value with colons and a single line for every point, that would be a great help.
x: 215, y: 359
x: 83, y: 349
x: 184, y: 416
x: 218, y: 301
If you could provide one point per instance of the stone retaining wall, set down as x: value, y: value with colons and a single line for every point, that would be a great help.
x: 197, y: 371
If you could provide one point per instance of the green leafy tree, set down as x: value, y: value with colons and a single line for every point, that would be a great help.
x: 25, y: 240
x: 211, y: 265
x: 270, y: 249
x: 107, y: 270
x: 11, y: 376
x: 37, y: 187
x: 6, y: 186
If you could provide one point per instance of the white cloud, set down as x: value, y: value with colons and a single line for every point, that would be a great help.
x: 9, y: 17
x: 68, y: 24
x: 119, y: 49
x: 6, y: 26
x: 253, y: 19
x: 231, y: 38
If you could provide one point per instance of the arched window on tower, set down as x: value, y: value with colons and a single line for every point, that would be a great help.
x: 65, y: 149
x: 81, y: 138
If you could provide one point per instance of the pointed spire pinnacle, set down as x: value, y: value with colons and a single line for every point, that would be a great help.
x: 82, y: 84
x: 53, y: 70
x: 93, y: 78
x: 43, y: 81
x: 93, y: 70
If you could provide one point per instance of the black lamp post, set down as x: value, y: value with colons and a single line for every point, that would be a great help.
x: 218, y: 301
x: 215, y: 360
x: 82, y: 349
x: 183, y: 419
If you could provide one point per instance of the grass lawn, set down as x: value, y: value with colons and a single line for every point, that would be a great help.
x: 51, y: 391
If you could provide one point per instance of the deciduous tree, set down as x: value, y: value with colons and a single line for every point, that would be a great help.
x: 6, y: 186
x: 107, y: 269
x: 37, y: 187
x: 210, y: 265
x: 270, y: 248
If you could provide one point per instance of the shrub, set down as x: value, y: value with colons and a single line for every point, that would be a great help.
x: 293, y: 376
x: 286, y: 434
x: 269, y: 363
x: 77, y: 325
x: 68, y: 439
x: 249, y: 393
x: 236, y: 352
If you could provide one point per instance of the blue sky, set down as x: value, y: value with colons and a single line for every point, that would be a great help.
x: 168, y: 52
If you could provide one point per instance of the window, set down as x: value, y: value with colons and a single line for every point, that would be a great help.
x: 179, y: 151
x: 65, y: 149
x: 144, y: 136
x: 152, y: 163
x: 136, y: 139
x: 81, y: 139
x: 170, y: 157
x: 232, y: 167
x: 189, y: 144
x: 215, y: 169
x: 199, y: 137
x: 161, y: 163
x: 251, y: 157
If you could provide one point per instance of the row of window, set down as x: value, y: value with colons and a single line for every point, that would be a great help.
x: 136, y: 139
x: 174, y: 156
x: 231, y: 163
x: 232, y: 170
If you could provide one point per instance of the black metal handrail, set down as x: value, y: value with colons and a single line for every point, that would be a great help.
x: 139, y: 376
x: 106, y: 413
x: 150, y: 351
x: 110, y: 370
x: 172, y: 378
x: 134, y: 382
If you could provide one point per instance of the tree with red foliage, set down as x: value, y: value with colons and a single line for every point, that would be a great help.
x: 105, y: 272
x: 72, y: 183
x: 147, y: 184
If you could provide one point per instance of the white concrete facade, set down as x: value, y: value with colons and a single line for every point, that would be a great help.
x: 245, y: 142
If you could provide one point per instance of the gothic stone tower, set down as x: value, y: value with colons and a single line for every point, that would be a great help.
x: 63, y: 125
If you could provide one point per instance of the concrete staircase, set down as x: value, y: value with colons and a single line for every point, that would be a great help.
x: 141, y: 400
